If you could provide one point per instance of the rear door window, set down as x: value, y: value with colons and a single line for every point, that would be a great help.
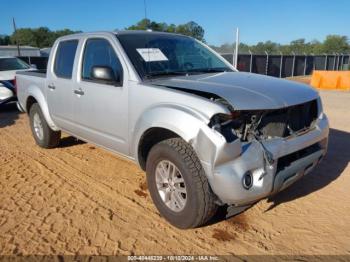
x: 64, y: 60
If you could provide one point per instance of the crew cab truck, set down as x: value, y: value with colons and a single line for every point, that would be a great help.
x: 206, y: 134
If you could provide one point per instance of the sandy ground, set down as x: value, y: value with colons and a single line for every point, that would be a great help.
x: 79, y: 199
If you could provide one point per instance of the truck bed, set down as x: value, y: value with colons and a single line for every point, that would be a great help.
x: 37, y: 73
x: 28, y: 82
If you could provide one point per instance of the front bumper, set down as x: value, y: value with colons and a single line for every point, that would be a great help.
x: 226, y: 178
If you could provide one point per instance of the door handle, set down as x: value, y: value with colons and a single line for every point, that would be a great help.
x: 79, y: 92
x: 51, y: 86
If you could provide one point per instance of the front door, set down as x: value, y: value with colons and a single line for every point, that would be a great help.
x: 101, y: 108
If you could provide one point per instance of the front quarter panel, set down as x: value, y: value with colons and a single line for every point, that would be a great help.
x: 182, y: 113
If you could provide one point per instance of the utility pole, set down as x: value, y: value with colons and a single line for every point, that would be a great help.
x: 15, y: 29
x: 236, y: 49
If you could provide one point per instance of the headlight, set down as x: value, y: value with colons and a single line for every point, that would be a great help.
x: 225, y: 124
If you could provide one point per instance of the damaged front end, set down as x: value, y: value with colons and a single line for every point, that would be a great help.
x: 260, y: 152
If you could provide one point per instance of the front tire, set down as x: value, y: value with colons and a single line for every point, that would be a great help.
x: 44, y: 136
x: 178, y: 185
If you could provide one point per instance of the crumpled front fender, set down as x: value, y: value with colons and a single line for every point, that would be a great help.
x: 213, y: 150
x: 185, y: 122
x: 210, y: 146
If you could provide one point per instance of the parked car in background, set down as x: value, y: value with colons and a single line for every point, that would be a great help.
x: 8, y: 67
x: 206, y: 134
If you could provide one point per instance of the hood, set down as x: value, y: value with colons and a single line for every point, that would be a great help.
x: 244, y: 91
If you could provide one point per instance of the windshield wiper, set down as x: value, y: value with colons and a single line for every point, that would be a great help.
x: 209, y: 70
x: 186, y: 73
x: 165, y: 73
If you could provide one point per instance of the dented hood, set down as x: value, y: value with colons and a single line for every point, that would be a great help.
x: 244, y: 91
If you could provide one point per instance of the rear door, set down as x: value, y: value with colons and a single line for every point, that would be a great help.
x: 60, y: 84
x: 101, y: 108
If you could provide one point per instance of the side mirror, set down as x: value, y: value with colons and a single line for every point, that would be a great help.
x: 104, y: 74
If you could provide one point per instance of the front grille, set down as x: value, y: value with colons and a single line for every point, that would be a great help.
x: 284, y: 122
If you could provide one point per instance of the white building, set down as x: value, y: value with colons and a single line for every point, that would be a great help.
x: 11, y: 50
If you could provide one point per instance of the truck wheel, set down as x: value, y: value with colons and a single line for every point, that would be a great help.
x: 178, y: 185
x: 44, y: 136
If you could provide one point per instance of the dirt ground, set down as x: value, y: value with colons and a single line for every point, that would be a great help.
x: 80, y: 199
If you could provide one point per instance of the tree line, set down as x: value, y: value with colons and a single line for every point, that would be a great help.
x: 190, y: 29
x: 37, y: 37
x: 332, y: 44
x: 44, y: 37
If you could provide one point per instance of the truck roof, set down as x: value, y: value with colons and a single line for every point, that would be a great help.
x: 136, y: 32
x: 122, y: 32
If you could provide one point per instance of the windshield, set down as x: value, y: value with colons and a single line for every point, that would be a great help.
x: 155, y: 55
x: 12, y: 63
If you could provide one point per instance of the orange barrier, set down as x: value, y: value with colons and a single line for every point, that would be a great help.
x: 331, y: 80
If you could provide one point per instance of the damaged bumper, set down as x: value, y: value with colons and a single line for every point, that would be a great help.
x: 228, y: 164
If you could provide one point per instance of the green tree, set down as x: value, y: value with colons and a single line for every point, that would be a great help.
x: 191, y: 28
x: 38, y: 37
x: 171, y: 28
x: 5, y: 40
x: 229, y: 48
x: 332, y: 44
x: 24, y: 36
x: 315, y: 47
x: 336, y: 43
x: 59, y: 33
x: 267, y: 46
x: 298, y: 46
x: 141, y: 25
x: 43, y: 37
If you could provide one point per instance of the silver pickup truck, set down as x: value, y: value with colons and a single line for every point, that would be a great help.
x: 205, y: 134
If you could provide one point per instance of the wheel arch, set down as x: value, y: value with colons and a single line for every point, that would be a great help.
x: 149, y: 138
x: 160, y: 123
x: 36, y: 96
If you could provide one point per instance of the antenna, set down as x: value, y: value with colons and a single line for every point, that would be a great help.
x: 15, y: 29
x: 147, y: 29
x: 145, y: 10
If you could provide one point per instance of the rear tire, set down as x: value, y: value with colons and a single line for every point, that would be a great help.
x: 44, y: 136
x: 175, y: 154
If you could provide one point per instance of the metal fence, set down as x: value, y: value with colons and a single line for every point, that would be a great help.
x: 289, y: 65
x: 273, y: 65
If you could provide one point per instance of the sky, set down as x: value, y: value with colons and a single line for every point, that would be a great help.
x: 258, y: 20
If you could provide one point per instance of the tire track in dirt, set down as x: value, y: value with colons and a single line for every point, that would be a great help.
x: 80, y: 199
x: 69, y: 172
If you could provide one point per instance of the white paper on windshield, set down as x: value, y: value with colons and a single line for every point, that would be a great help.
x: 152, y: 54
